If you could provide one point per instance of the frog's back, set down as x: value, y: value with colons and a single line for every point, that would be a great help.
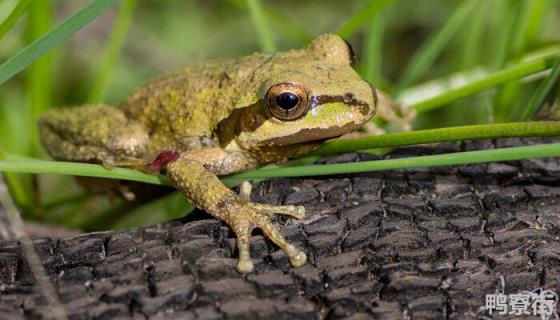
x: 182, y: 108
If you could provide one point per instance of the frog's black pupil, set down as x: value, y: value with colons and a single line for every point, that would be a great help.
x: 287, y: 100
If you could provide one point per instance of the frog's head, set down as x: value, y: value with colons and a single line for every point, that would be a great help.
x: 306, y: 96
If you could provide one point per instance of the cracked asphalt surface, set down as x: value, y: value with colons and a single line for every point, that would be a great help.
x: 413, y: 244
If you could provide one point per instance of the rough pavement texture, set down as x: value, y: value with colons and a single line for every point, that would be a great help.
x: 412, y: 244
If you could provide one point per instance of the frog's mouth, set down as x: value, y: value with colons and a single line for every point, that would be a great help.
x: 307, y: 135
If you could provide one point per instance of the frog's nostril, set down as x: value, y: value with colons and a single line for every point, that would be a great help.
x: 349, y: 96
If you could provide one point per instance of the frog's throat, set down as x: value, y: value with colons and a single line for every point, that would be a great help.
x: 311, y: 135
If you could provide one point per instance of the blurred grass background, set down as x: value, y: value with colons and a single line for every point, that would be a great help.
x: 401, y: 46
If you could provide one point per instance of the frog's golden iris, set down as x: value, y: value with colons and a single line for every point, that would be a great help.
x: 287, y: 101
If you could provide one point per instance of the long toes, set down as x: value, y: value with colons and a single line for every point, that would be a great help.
x: 242, y: 230
x: 297, y: 257
x: 297, y: 212
x: 245, y: 264
x: 245, y: 190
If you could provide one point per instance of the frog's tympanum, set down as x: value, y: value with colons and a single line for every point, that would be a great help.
x: 219, y: 117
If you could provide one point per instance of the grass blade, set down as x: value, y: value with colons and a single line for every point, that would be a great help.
x: 287, y: 26
x: 156, y: 211
x: 112, y: 51
x: 539, y: 97
x: 430, y: 49
x: 373, y: 49
x: 16, y: 187
x: 455, y: 158
x: 528, y: 129
x: 523, y: 14
x: 39, y: 74
x: 537, y: 11
x: 361, y: 17
x: 79, y: 169
x: 493, y: 80
x: 261, y: 25
x: 507, y: 15
x: 471, y: 44
x: 53, y: 38
x: 56, y: 309
x: 18, y: 11
x: 282, y: 22
x: 482, y: 131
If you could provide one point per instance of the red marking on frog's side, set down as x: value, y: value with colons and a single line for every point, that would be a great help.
x: 163, y: 159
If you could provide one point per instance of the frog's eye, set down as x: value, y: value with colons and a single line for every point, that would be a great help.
x: 287, y: 101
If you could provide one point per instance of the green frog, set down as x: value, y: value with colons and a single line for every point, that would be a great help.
x: 219, y: 117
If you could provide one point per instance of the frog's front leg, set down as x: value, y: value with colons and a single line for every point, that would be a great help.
x: 197, y: 182
x: 395, y: 113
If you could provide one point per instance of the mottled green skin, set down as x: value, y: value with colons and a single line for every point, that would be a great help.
x: 214, y: 114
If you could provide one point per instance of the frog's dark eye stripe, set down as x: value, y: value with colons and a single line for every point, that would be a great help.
x: 287, y: 101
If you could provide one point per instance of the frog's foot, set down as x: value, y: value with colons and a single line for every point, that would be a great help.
x: 259, y: 215
x: 206, y: 190
x: 242, y: 225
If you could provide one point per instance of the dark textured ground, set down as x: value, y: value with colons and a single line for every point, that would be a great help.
x: 413, y: 244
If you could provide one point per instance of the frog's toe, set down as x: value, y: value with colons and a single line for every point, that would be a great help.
x: 242, y: 229
x: 297, y: 257
x: 245, y: 190
x: 297, y: 212
x: 245, y: 264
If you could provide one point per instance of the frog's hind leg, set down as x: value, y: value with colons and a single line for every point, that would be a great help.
x: 297, y: 212
x: 93, y: 133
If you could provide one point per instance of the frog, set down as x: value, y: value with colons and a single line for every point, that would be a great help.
x: 218, y: 117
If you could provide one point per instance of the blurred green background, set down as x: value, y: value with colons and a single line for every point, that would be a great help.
x: 401, y: 46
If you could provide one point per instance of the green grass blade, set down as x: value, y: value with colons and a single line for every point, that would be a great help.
x: 482, y: 131
x: 282, y: 22
x: 39, y: 74
x: 374, y: 49
x: 261, y: 25
x: 53, y: 38
x: 471, y: 45
x: 507, y: 14
x: 491, y: 81
x: 287, y: 26
x: 537, y: 11
x: 16, y: 187
x: 112, y: 51
x: 456, y: 158
x: 527, y: 129
x: 18, y: 11
x: 470, y: 157
x: 79, y: 169
x: 431, y: 48
x: 362, y: 16
x: 522, y: 14
x: 156, y: 211
x: 539, y: 97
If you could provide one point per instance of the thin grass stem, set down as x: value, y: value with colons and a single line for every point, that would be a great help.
x: 57, y: 35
